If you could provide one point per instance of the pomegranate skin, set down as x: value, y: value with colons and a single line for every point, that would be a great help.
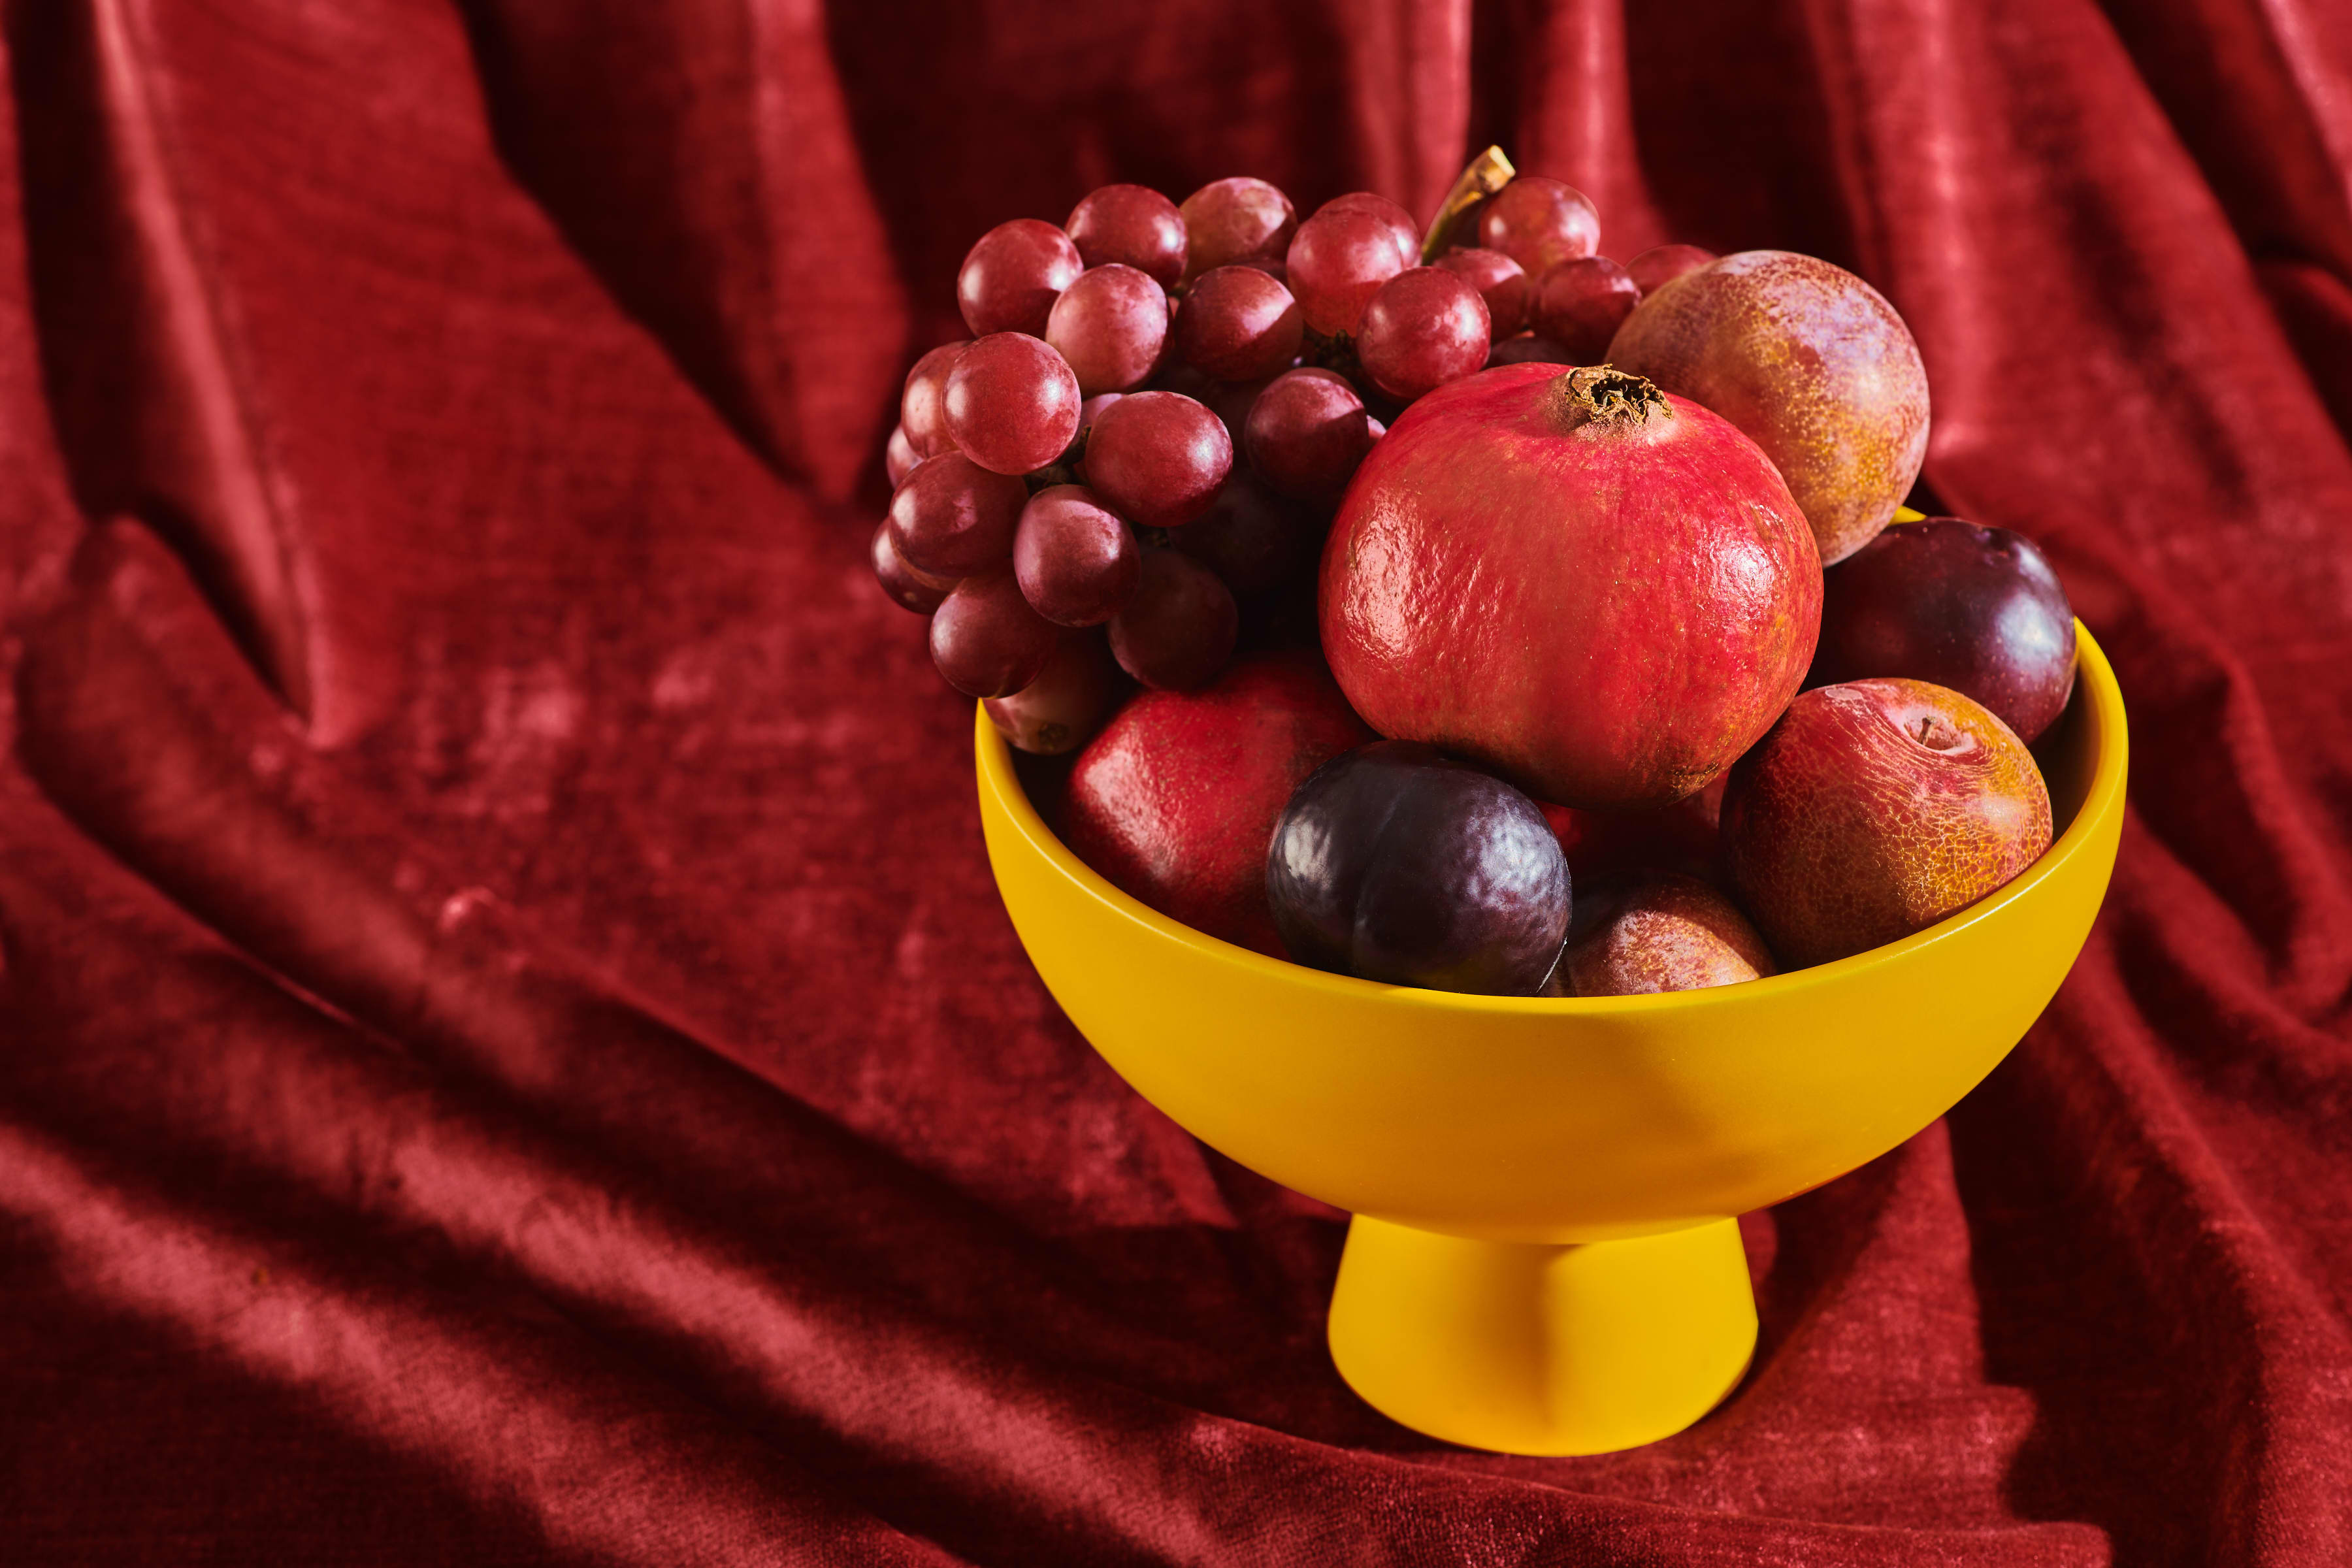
x: 1601, y: 592
x: 1813, y: 363
x: 1175, y: 801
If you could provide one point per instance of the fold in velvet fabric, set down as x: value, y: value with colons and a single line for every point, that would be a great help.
x: 509, y: 1049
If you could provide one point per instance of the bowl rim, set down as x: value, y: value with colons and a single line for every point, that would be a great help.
x: 2094, y: 684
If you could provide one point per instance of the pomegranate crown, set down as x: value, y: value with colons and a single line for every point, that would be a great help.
x: 1604, y: 393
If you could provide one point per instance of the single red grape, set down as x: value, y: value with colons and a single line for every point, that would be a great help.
x: 1528, y: 348
x: 1661, y: 264
x: 899, y: 457
x: 1009, y: 279
x: 1399, y: 222
x: 1337, y: 262
x: 1111, y: 326
x: 1235, y: 220
x: 1425, y: 327
x: 1581, y: 304
x: 1238, y: 324
x: 1157, y: 457
x: 1179, y: 630
x: 1132, y: 225
x: 1539, y: 224
x: 986, y: 640
x: 909, y: 589
x: 1076, y: 559
x: 921, y: 411
x: 1251, y: 538
x: 1307, y: 433
x: 953, y: 518
x: 1061, y: 709
x: 1011, y: 403
x: 1500, y: 282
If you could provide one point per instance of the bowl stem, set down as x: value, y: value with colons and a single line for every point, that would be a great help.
x: 1532, y: 1349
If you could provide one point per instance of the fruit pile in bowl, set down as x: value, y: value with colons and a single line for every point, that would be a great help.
x: 1449, y: 608
x: 1468, y: 730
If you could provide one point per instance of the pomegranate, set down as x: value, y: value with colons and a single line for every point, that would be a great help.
x: 1604, y: 592
x: 1811, y: 362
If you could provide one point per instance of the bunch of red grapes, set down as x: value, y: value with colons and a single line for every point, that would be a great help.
x: 1160, y: 406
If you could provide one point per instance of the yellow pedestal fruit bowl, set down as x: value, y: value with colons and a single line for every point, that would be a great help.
x: 1545, y: 1256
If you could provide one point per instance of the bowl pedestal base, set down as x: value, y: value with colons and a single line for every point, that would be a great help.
x: 1533, y: 1348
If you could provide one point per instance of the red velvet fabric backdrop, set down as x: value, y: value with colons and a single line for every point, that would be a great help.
x: 509, y: 1049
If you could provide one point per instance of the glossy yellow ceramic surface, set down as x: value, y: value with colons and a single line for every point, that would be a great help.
x: 1537, y: 1122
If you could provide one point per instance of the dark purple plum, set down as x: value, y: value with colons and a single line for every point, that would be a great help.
x: 1976, y: 609
x: 1395, y: 863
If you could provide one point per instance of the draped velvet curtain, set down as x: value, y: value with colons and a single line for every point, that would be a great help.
x: 508, y: 1049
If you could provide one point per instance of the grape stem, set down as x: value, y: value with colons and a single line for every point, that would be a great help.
x: 1489, y: 172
